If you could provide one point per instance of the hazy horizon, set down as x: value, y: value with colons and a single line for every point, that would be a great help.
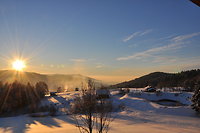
x: 112, y: 41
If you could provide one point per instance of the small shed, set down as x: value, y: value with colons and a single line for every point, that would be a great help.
x: 150, y: 89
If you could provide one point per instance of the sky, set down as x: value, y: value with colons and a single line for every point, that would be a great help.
x: 110, y: 40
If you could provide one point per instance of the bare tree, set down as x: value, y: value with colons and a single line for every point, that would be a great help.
x: 104, y: 115
x: 90, y: 113
x: 84, y: 109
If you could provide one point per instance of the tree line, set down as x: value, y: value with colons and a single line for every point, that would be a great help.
x: 17, y: 96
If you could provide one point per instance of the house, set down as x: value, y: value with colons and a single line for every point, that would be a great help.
x: 124, y: 91
x: 76, y: 89
x: 53, y: 94
x: 102, y: 93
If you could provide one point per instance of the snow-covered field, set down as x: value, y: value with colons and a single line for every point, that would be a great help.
x: 140, y: 115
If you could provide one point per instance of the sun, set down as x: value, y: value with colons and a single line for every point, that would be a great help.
x: 18, y: 65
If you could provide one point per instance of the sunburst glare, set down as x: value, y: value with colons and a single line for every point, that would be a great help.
x: 18, y: 65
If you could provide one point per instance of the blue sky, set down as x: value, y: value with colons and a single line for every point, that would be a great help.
x: 109, y: 40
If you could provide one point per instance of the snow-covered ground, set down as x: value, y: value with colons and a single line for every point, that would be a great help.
x: 140, y: 115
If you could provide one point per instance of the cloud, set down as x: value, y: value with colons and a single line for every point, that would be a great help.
x: 184, y: 37
x: 79, y: 60
x: 136, y: 34
x: 163, y: 60
x: 145, y: 32
x: 131, y: 36
x: 176, y: 43
x: 168, y: 38
x: 99, y: 66
x: 149, y: 52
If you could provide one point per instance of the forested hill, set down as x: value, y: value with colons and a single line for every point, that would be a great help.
x: 186, y: 79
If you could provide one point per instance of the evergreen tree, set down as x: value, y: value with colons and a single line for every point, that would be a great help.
x: 196, y: 99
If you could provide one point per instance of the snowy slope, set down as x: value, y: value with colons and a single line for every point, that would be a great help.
x: 139, y: 115
x: 182, y: 97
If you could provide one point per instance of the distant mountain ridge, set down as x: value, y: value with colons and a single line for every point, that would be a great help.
x: 186, y: 79
x: 67, y: 81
